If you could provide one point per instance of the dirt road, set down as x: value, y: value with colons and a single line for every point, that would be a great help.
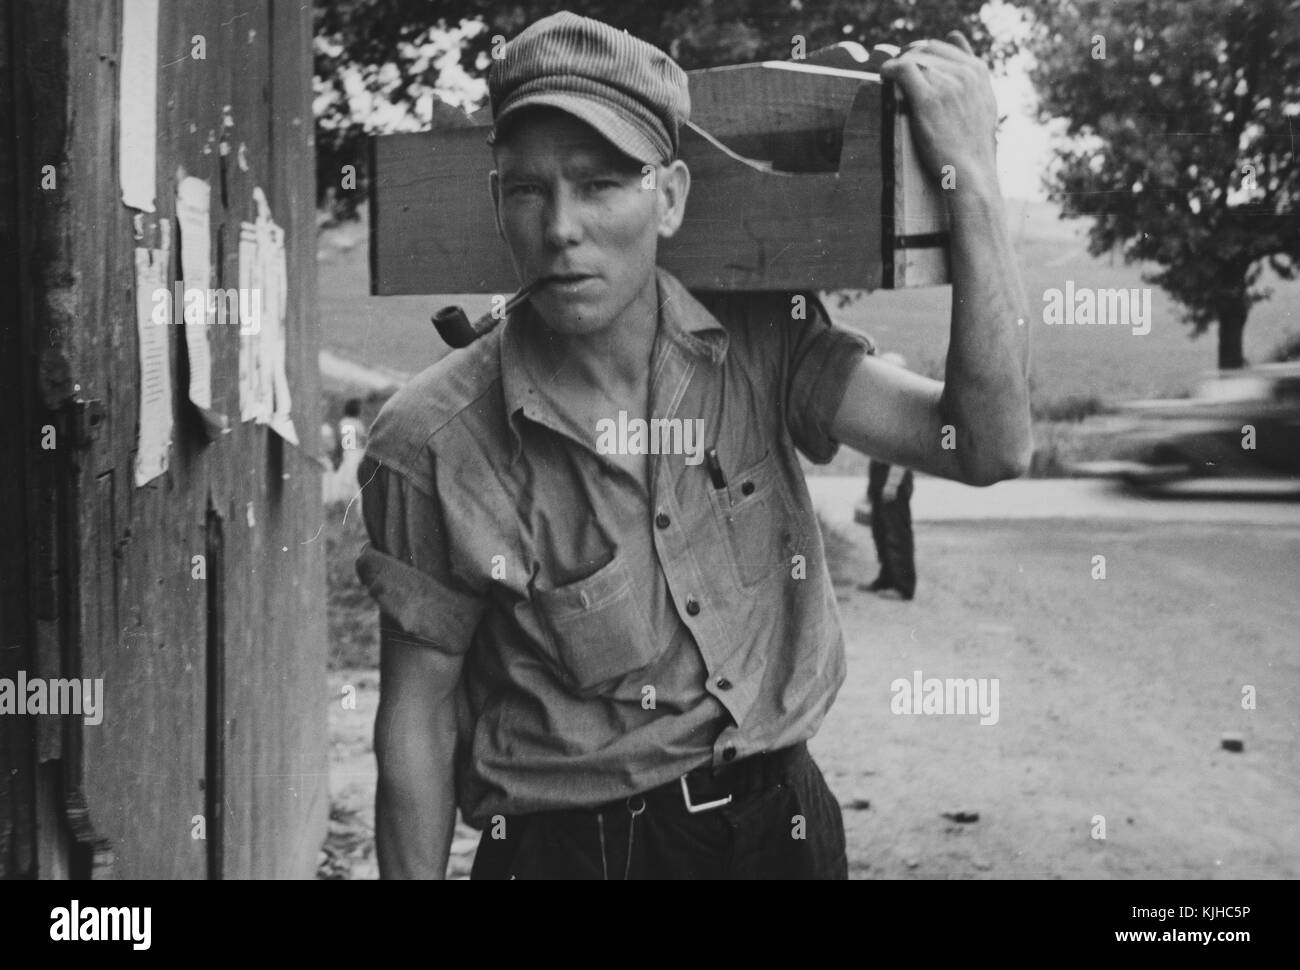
x: 1114, y: 695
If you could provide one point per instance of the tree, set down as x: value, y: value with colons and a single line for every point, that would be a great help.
x: 388, y: 43
x: 1181, y: 118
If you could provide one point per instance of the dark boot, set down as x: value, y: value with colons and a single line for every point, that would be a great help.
x: 876, y: 585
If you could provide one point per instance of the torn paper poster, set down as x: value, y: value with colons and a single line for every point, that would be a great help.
x: 137, y: 103
x: 195, y: 308
x: 263, y: 384
x: 152, y: 321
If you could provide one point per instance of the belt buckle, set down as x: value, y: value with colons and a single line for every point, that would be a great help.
x: 703, y: 806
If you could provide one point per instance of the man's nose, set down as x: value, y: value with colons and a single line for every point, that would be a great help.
x: 563, y: 219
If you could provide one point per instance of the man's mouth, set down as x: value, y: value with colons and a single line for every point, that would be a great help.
x: 562, y: 279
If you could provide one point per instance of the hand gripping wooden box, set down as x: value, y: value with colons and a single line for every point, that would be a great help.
x: 803, y: 177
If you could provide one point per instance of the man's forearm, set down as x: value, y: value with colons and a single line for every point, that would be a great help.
x: 415, y: 801
x: 986, y: 388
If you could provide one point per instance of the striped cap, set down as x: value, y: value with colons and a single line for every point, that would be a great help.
x: 631, y: 92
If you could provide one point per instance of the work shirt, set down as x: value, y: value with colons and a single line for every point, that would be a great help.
x: 614, y: 639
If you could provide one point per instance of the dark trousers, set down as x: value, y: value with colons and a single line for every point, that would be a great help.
x: 891, y: 528
x: 794, y: 829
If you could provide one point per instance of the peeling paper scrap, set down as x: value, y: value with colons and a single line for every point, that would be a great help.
x: 137, y: 104
x: 152, y: 327
x: 264, y: 394
x: 193, y: 205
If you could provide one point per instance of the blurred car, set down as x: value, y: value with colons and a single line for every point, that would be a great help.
x: 1238, y: 426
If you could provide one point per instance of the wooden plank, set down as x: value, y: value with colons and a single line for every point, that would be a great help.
x: 776, y: 111
x: 438, y: 237
x: 801, y: 208
x: 794, y: 232
x: 811, y: 231
x: 920, y: 226
x: 296, y: 601
x: 795, y: 104
x: 142, y: 767
x: 214, y: 790
x: 246, y: 70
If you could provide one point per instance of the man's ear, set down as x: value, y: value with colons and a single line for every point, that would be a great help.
x: 494, y: 187
x: 674, y: 186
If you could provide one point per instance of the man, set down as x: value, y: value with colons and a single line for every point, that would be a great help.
x: 889, y: 490
x: 612, y: 660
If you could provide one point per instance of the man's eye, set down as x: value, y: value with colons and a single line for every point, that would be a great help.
x: 602, y: 185
x: 524, y: 189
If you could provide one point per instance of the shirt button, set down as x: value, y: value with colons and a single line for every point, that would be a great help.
x: 724, y: 684
x: 729, y: 753
x: 747, y: 488
x: 693, y: 606
x: 662, y: 520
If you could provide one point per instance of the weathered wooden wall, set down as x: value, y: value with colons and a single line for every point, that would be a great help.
x: 214, y: 689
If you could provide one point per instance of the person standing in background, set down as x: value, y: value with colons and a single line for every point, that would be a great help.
x: 889, y: 490
x: 352, y: 430
x: 340, y: 483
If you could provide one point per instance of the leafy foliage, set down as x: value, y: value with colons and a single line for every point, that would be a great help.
x: 1182, y: 142
x: 384, y: 46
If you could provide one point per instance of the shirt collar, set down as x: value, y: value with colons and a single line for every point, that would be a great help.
x: 682, y: 319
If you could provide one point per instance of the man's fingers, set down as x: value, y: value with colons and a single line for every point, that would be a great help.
x: 906, y: 73
x: 948, y: 52
x: 936, y: 69
x: 955, y: 47
x: 958, y: 39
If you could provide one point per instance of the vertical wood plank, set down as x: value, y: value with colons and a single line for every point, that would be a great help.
x: 302, y: 754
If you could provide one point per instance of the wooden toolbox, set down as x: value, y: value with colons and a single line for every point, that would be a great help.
x: 803, y: 177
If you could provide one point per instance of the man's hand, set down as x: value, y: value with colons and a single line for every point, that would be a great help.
x: 953, y: 111
x: 974, y: 427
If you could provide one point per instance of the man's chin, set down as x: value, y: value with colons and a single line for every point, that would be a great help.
x: 571, y: 317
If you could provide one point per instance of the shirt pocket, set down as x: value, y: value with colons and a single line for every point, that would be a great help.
x: 596, y: 629
x: 753, y: 514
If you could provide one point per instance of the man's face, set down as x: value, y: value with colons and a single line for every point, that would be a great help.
x: 568, y: 203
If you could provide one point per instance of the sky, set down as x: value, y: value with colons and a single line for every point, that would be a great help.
x: 1024, y: 143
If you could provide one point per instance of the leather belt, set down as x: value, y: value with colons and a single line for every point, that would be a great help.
x: 705, y: 788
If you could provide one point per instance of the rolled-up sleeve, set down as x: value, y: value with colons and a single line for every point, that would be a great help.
x: 820, y: 362
x: 405, y: 565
